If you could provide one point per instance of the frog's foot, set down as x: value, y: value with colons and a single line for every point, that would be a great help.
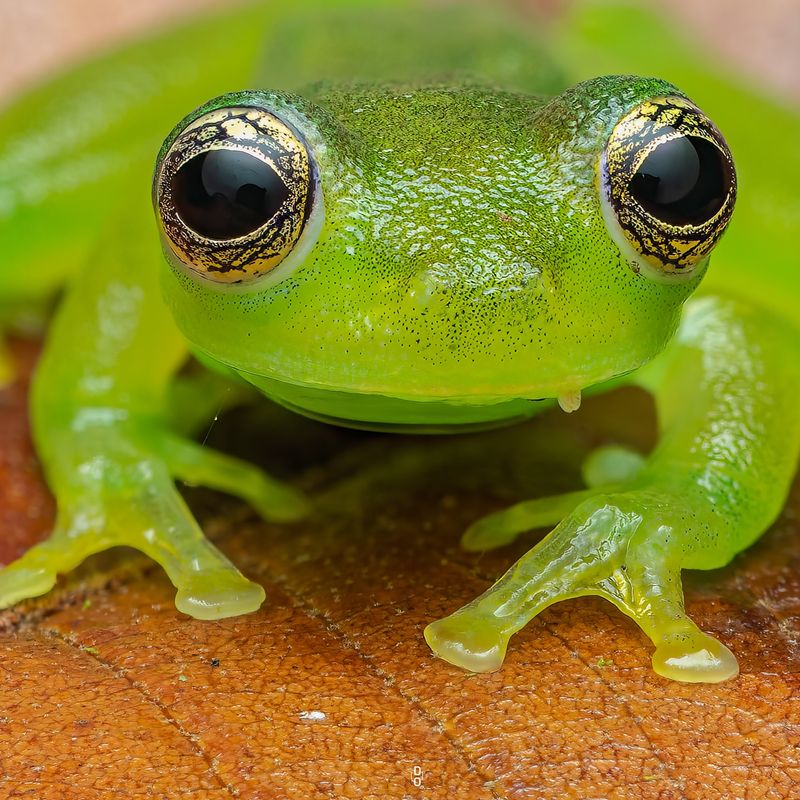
x: 158, y: 523
x: 126, y: 496
x: 625, y: 547
x: 153, y: 519
x: 608, y: 467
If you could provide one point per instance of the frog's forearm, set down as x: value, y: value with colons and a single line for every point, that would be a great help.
x: 725, y: 390
x: 112, y: 346
x: 99, y: 416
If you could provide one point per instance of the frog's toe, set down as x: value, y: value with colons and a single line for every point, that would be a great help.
x: 21, y: 583
x: 465, y: 642
x: 692, y: 656
x: 195, y: 464
x: 35, y: 573
x: 490, y: 532
x: 650, y: 592
x: 611, y: 465
x: 217, y: 594
x: 503, y: 527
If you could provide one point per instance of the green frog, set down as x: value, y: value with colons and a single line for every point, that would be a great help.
x: 409, y: 226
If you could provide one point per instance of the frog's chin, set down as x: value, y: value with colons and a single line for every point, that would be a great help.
x: 381, y: 412
x: 384, y: 411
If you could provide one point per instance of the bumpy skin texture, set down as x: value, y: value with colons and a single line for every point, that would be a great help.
x: 451, y: 271
x: 462, y: 270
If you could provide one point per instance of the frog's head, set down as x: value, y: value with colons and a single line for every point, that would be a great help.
x: 436, y: 254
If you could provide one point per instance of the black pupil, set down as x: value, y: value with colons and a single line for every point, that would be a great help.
x: 223, y: 194
x: 683, y: 181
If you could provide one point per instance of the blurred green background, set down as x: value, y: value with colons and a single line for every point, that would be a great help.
x: 760, y: 39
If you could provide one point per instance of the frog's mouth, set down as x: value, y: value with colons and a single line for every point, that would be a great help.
x: 376, y: 409
x: 378, y: 412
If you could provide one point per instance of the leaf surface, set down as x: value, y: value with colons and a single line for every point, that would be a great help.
x: 330, y: 690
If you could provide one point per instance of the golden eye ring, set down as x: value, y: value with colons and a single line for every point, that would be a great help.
x: 234, y: 193
x: 667, y: 186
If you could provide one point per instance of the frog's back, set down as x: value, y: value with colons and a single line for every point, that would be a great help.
x: 396, y: 41
x: 386, y: 41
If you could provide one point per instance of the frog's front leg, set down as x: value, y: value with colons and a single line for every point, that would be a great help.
x: 100, y: 411
x: 118, y: 491
x: 726, y: 394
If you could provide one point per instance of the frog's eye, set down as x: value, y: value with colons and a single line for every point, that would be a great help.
x: 668, y: 186
x: 235, y: 193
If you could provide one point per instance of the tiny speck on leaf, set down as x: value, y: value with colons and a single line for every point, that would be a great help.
x: 87, y: 603
x: 91, y: 650
x: 182, y: 678
x: 214, y: 662
x: 604, y: 662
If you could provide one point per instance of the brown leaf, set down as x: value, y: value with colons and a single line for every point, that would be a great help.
x: 330, y: 690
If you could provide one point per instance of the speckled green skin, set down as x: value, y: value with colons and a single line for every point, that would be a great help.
x: 463, y: 271
x: 459, y: 274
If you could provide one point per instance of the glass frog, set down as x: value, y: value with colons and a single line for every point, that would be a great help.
x: 410, y: 226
